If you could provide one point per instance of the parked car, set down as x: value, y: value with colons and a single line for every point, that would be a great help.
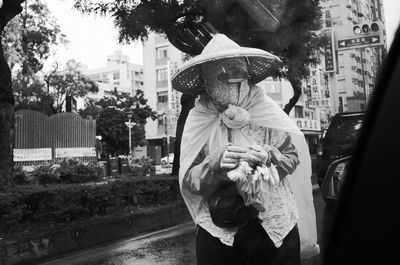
x: 164, y: 160
x: 337, y: 140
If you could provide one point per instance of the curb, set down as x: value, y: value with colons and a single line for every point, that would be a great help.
x: 76, y: 257
x: 89, y: 234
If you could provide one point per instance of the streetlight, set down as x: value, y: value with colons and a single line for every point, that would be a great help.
x: 165, y: 120
x: 130, y: 125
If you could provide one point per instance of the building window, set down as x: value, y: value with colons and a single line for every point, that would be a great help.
x: 116, y: 83
x: 298, y: 111
x: 161, y: 121
x: 162, y: 52
x: 116, y: 75
x: 162, y: 74
x: 340, y: 105
x: 162, y: 97
x: 328, y: 21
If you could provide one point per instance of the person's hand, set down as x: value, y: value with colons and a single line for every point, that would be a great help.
x: 256, y: 154
x: 231, y: 157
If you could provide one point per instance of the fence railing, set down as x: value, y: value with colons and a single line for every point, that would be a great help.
x: 39, y: 138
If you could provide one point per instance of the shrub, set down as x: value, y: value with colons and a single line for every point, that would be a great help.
x: 67, y: 171
x: 43, y: 205
x: 20, y: 177
x: 74, y: 171
x: 46, y: 174
x: 142, y: 167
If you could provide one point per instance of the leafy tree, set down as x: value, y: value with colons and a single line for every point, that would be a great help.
x: 286, y: 28
x: 29, y: 38
x: 8, y: 11
x: 110, y: 114
x: 27, y: 34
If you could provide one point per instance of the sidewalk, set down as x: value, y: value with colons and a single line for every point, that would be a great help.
x: 90, y: 233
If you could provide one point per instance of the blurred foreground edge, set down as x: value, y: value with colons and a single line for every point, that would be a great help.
x: 365, y: 222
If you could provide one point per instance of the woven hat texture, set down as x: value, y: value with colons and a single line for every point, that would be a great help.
x: 261, y: 64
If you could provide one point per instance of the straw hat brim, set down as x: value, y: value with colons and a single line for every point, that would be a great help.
x: 261, y: 64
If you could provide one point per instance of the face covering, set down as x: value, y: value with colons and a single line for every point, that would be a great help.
x: 226, y: 81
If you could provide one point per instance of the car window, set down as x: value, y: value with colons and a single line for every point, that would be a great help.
x: 343, y: 131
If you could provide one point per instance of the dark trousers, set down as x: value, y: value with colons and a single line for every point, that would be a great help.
x: 252, y: 246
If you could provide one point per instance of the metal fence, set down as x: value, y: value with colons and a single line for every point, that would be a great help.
x: 39, y: 138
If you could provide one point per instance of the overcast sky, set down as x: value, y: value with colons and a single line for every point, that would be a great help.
x: 93, y: 38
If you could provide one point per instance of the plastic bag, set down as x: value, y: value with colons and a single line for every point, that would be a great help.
x: 254, y: 184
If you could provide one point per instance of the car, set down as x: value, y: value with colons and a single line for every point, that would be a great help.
x: 169, y: 158
x: 337, y: 140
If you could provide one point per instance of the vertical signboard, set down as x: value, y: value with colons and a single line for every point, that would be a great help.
x: 329, y: 52
x: 173, y: 97
x: 315, y: 82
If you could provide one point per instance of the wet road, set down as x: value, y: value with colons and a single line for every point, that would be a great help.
x: 174, y: 246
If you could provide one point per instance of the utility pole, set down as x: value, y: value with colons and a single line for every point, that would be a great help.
x: 165, y: 118
x: 130, y: 125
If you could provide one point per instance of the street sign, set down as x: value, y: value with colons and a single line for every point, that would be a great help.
x: 359, y: 42
x: 329, y: 52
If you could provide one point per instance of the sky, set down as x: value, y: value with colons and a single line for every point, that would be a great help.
x: 92, y: 37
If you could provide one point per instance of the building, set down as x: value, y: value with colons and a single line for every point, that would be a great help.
x: 160, y: 61
x: 307, y: 119
x: 118, y: 74
x: 356, y: 29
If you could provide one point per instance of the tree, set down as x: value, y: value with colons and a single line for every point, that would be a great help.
x: 25, y: 44
x: 110, y: 115
x: 29, y: 38
x: 50, y: 95
x: 28, y: 41
x: 8, y: 10
x: 286, y: 28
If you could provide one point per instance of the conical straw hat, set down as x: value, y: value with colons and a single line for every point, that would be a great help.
x: 261, y: 64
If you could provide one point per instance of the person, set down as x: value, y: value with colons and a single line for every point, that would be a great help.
x: 245, y: 168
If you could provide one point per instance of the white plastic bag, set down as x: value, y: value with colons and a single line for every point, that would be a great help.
x: 254, y: 184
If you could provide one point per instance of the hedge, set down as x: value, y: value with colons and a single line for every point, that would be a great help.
x: 27, y: 206
x: 65, y: 171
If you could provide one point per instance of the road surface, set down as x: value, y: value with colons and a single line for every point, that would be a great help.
x: 172, y: 246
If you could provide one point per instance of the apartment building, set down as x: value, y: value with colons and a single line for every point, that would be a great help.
x: 119, y: 73
x: 160, y: 61
x: 358, y: 45
x: 307, y: 118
